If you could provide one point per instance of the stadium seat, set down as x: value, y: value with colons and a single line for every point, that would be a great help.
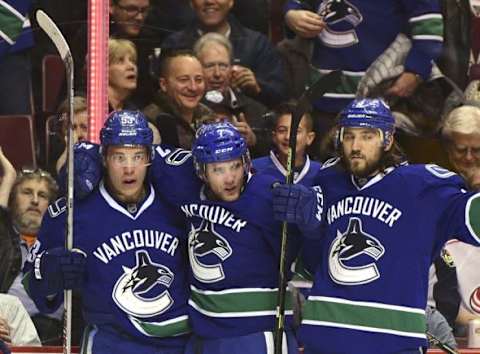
x: 17, y: 140
x: 53, y: 77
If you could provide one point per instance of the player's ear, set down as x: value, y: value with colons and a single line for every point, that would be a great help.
x: 389, y: 143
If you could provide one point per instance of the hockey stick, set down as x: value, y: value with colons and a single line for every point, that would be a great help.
x: 315, y: 91
x: 435, y: 341
x: 54, y: 33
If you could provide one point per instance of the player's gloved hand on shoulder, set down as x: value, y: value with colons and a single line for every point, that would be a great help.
x: 295, y: 203
x: 57, y: 269
x: 87, y: 169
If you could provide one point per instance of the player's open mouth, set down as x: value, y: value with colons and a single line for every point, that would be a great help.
x: 129, y: 181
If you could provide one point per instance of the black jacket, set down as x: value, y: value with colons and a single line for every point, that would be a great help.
x: 250, y: 49
x: 10, y: 252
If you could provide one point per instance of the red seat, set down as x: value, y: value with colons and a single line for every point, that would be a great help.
x: 17, y: 140
x: 53, y: 77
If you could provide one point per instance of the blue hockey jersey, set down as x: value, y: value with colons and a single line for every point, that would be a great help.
x: 136, y: 265
x: 270, y: 165
x: 358, y: 31
x: 233, y: 247
x: 378, y: 242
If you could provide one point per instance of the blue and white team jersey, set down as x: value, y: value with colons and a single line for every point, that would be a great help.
x: 270, y: 165
x: 137, y: 268
x: 358, y: 31
x: 377, y: 244
x: 234, y: 250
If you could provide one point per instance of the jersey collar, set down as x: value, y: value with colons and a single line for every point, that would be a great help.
x: 377, y: 178
x: 115, y: 205
x: 297, y: 176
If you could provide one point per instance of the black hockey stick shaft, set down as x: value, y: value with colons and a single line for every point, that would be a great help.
x: 56, y: 36
x: 313, y: 92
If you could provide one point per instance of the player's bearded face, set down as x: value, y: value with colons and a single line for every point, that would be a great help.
x: 31, y: 202
x: 126, y: 170
x: 362, y: 150
x: 225, y: 179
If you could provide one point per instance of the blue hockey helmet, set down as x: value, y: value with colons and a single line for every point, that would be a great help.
x: 126, y: 128
x: 219, y: 142
x: 368, y: 113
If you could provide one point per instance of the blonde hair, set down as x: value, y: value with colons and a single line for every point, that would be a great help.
x: 463, y: 120
x: 79, y: 105
x: 118, y: 48
x: 212, y: 37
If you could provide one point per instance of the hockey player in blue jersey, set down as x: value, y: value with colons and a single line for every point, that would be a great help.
x: 233, y: 242
x: 275, y: 163
x: 381, y: 223
x: 129, y: 262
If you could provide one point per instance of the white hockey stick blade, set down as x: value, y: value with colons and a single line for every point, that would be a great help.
x: 54, y: 33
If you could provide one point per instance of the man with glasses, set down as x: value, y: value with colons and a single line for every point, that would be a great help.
x: 127, y: 21
x: 258, y: 69
x: 129, y: 16
x: 24, y: 201
x: 461, y: 135
x: 128, y: 260
x: 214, y: 51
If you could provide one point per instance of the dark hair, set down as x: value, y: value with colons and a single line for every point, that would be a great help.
x: 287, y: 108
x: 168, y: 55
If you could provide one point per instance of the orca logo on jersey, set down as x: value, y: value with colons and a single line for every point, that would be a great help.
x: 349, y: 245
x: 202, y: 242
x: 339, y: 11
x: 134, y: 292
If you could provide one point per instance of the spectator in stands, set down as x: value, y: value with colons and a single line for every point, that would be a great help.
x: 461, y: 137
x: 127, y: 21
x: 58, y: 148
x: 214, y: 51
x: 122, y: 73
x: 258, y: 69
x: 276, y: 163
x: 15, y: 63
x: 20, y: 219
x: 176, y: 110
x: 351, y: 35
x: 16, y: 327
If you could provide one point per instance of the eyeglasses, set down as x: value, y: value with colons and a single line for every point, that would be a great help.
x: 465, y: 150
x: 222, y: 67
x: 133, y: 11
x: 25, y: 171
x: 123, y: 160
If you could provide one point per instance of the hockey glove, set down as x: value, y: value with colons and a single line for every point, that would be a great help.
x: 58, y: 269
x: 87, y: 169
x: 297, y: 204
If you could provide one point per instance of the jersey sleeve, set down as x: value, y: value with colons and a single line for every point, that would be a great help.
x: 444, y: 198
x: 173, y: 174
x: 51, y: 235
x: 425, y: 25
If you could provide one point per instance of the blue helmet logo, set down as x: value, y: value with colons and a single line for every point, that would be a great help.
x: 368, y: 113
x: 126, y: 128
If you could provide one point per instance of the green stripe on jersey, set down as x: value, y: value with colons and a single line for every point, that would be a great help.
x: 427, y: 27
x: 169, y: 328
x: 473, y: 215
x: 10, y: 24
x: 247, y: 302
x: 364, y: 316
